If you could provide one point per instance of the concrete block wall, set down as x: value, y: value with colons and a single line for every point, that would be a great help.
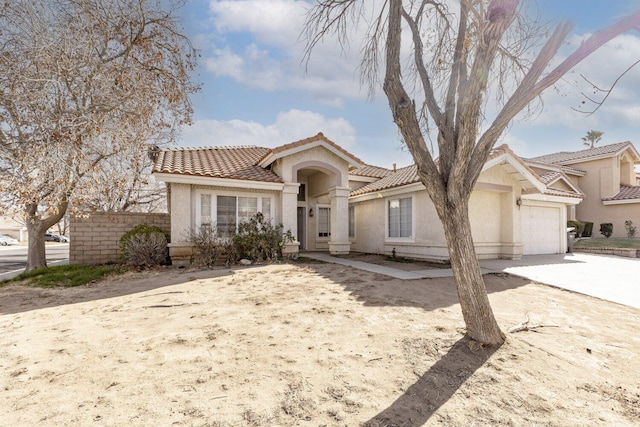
x: 95, y: 237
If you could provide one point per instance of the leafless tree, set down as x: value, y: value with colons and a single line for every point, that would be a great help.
x: 127, y: 185
x: 440, y: 65
x: 80, y: 82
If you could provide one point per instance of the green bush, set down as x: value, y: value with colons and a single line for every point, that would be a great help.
x: 588, y: 229
x: 579, y: 227
x: 257, y: 240
x: 145, y: 246
x: 606, y: 229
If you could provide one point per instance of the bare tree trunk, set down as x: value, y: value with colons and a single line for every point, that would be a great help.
x: 36, y: 255
x: 37, y: 227
x: 472, y: 293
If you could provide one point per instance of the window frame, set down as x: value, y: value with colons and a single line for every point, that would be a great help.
x: 318, y: 237
x: 214, y: 205
x: 352, y: 222
x: 398, y: 198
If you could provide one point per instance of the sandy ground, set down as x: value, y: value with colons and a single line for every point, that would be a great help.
x: 309, y: 345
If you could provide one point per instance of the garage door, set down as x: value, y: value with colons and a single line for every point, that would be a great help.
x: 540, y: 230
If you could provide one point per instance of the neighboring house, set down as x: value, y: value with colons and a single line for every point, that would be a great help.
x: 332, y: 201
x: 608, y: 178
x: 13, y: 228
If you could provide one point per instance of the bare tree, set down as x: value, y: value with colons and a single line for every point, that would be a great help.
x: 127, y: 184
x: 592, y: 138
x: 443, y: 84
x: 80, y: 82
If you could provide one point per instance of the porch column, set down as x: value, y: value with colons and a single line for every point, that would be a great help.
x: 510, y: 226
x: 339, y: 243
x: 290, y: 208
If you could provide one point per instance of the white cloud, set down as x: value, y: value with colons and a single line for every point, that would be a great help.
x: 601, y: 69
x: 289, y: 126
x: 270, y: 53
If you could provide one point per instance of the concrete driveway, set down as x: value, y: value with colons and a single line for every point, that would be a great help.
x: 610, y: 278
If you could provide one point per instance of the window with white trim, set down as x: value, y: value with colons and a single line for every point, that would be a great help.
x: 324, y: 222
x: 399, y: 218
x: 352, y: 221
x: 226, y: 212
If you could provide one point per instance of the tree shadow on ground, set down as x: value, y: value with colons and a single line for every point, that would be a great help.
x: 435, y: 387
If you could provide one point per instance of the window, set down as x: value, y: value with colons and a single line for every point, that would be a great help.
x: 230, y: 211
x: 302, y: 193
x: 400, y: 217
x: 352, y: 221
x: 226, y: 215
x: 247, y: 207
x: 205, y: 210
x: 324, y: 222
x: 266, y: 208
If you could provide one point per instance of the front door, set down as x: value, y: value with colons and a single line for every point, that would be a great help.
x: 302, y: 227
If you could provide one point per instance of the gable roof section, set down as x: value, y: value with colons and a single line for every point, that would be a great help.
x: 570, y: 157
x: 370, y: 171
x: 401, y: 177
x: 216, y: 162
x: 305, y: 144
x: 498, y: 156
x: 628, y: 193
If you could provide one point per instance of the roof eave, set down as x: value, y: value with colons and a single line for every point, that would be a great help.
x: 218, y: 182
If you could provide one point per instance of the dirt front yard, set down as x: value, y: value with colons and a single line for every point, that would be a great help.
x: 310, y: 345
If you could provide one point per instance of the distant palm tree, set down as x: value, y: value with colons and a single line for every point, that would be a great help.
x: 592, y: 138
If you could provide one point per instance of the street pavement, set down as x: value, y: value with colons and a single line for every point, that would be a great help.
x: 13, y: 259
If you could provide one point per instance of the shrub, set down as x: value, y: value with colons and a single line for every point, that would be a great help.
x: 210, y: 247
x: 606, y: 229
x: 145, y: 246
x: 630, y: 228
x: 257, y: 240
x: 579, y: 227
x: 146, y: 250
x: 588, y: 229
x: 142, y: 229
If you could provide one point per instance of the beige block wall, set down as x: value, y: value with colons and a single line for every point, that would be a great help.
x: 95, y: 238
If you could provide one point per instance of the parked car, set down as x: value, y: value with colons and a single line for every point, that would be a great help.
x: 50, y: 237
x: 7, y: 240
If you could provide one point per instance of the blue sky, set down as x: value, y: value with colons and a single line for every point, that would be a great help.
x: 256, y: 91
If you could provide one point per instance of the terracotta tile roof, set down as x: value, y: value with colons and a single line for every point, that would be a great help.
x: 403, y: 176
x: 549, y: 177
x: 216, y: 162
x: 563, y: 168
x: 574, y: 156
x: 310, y: 140
x: 409, y: 175
x: 627, y: 192
x: 565, y: 193
x: 371, y: 171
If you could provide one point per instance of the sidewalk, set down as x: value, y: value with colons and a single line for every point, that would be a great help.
x: 606, y: 277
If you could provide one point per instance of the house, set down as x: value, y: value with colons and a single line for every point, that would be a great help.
x: 609, y: 180
x: 332, y: 201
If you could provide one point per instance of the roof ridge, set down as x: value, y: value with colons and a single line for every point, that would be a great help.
x: 214, y: 147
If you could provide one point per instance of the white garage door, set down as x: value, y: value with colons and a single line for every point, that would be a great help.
x: 540, y: 230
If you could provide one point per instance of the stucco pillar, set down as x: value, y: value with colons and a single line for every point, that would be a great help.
x: 290, y: 208
x: 180, y: 250
x: 510, y: 226
x: 339, y: 243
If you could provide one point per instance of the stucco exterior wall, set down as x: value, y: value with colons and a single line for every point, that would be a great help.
x: 495, y: 222
x: 603, y: 180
